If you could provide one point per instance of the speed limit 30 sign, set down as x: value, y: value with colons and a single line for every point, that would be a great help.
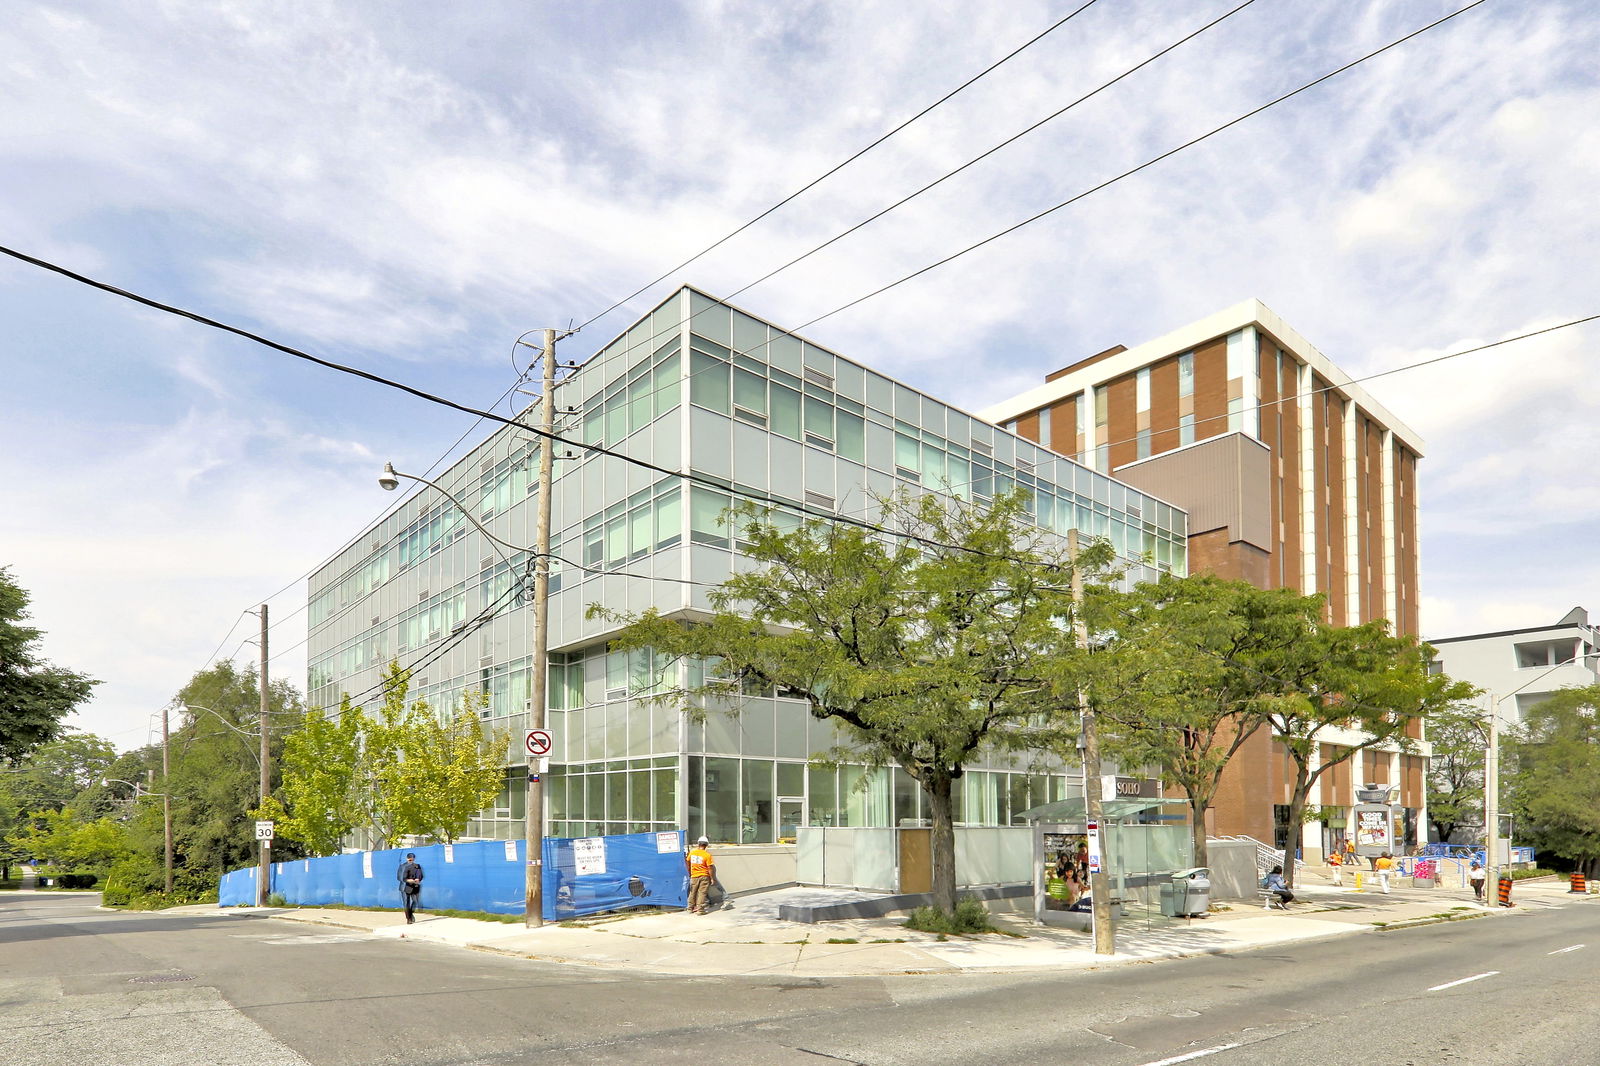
x: 537, y: 743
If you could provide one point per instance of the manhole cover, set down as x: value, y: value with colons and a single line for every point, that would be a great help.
x: 161, y: 979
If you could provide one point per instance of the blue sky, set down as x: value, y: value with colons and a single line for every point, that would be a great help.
x: 409, y: 188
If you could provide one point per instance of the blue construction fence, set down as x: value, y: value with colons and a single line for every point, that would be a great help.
x: 582, y: 875
x: 1469, y: 852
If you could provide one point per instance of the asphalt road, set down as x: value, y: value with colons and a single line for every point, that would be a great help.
x: 82, y: 986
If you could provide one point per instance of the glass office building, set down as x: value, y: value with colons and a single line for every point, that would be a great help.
x: 748, y: 410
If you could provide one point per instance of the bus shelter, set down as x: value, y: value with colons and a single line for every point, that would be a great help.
x: 1140, y: 850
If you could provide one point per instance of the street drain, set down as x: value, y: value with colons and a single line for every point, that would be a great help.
x: 161, y: 979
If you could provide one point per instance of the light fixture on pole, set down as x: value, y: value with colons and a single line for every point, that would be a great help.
x: 166, y: 804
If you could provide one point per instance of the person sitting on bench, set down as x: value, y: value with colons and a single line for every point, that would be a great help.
x: 1273, y: 882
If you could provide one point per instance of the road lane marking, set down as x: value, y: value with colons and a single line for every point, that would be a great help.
x: 1563, y: 951
x: 1193, y: 1055
x: 1464, y: 980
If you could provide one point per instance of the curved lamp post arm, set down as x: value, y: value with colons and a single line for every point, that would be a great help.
x: 139, y: 791
x: 246, y: 734
x: 389, y: 480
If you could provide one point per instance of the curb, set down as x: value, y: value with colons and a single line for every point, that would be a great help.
x: 1413, y: 923
x: 1088, y: 965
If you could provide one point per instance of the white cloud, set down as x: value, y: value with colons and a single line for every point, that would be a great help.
x: 410, y: 191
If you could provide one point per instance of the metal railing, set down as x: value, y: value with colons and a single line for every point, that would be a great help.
x: 1266, y: 857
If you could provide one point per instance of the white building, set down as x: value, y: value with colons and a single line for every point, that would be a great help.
x: 1523, y: 667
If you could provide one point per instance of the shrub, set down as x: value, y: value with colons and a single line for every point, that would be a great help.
x: 970, y: 916
x: 77, y: 880
x: 115, y: 895
x: 276, y: 900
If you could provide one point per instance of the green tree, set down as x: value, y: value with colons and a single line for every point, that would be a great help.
x: 390, y: 810
x: 929, y: 647
x: 453, y: 768
x: 320, y: 800
x: 1357, y: 683
x: 61, y: 773
x: 214, y: 784
x: 67, y: 843
x: 1554, y: 776
x: 34, y: 696
x: 1459, y: 736
x: 1183, y: 668
x: 403, y: 771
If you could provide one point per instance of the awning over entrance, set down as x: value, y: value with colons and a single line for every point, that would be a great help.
x: 1074, y: 809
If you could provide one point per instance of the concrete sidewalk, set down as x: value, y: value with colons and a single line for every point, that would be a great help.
x: 747, y: 937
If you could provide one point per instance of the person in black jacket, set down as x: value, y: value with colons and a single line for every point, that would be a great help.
x: 410, y: 877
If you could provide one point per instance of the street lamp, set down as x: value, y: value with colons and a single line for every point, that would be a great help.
x: 261, y: 763
x: 1491, y: 768
x: 533, y: 826
x: 139, y: 791
x: 166, y: 805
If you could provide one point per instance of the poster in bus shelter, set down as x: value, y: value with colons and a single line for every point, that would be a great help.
x: 1373, y: 834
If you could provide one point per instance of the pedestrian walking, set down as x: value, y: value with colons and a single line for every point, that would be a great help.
x: 702, y: 873
x: 1477, y: 876
x: 410, y: 877
x: 1384, y: 867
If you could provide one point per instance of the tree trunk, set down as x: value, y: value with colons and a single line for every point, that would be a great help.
x: 1297, y: 809
x: 1197, y: 828
x: 936, y: 787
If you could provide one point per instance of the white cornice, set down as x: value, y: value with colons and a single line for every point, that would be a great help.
x: 1219, y: 324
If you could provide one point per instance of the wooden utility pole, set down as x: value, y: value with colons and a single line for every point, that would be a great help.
x: 1099, y: 884
x: 533, y: 912
x: 263, y: 889
x: 166, y: 795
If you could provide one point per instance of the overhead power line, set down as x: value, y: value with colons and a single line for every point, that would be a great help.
x: 1169, y: 153
x: 689, y: 476
x: 794, y: 332
x: 1338, y: 386
x: 599, y: 449
x: 814, y: 182
x: 980, y: 157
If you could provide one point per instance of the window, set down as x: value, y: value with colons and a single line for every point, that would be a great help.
x: 1144, y: 444
x: 705, y: 516
x: 1141, y: 389
x: 1186, y: 374
x: 749, y: 396
x: 852, y: 441
x: 819, y: 422
x: 1185, y: 429
x: 1044, y: 427
x: 785, y: 411
x: 708, y: 382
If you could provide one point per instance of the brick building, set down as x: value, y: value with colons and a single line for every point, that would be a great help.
x: 1293, y: 476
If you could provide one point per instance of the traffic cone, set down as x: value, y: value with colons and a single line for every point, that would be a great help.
x: 1579, y: 883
